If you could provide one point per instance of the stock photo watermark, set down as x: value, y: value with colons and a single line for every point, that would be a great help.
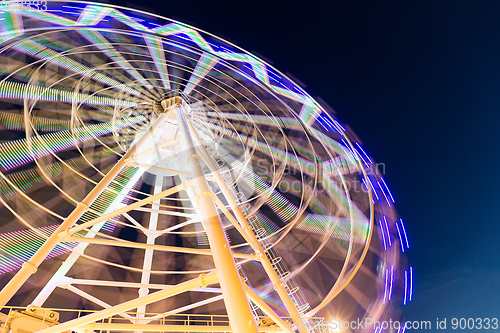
x: 292, y: 182
x: 438, y: 324
x: 16, y: 6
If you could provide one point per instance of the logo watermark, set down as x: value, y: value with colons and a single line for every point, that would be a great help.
x: 16, y: 6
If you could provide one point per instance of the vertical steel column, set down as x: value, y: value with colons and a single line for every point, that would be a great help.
x: 277, y: 282
x: 238, y: 309
x: 148, y: 254
x: 31, y: 266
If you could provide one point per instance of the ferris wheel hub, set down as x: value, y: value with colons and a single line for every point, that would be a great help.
x: 172, y: 102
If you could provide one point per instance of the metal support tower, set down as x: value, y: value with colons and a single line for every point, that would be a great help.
x: 167, y: 130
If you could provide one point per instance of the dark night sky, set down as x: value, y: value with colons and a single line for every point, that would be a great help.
x: 419, y: 82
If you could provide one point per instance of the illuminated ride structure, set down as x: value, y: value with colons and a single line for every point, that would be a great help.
x: 156, y: 178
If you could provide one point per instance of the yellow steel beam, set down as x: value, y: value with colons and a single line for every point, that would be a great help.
x: 201, y: 281
x: 128, y: 208
x: 266, y: 308
x: 156, y: 247
x: 278, y: 284
x: 235, y: 300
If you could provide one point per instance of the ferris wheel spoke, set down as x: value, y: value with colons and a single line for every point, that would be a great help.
x: 12, y: 26
x: 286, y: 210
x: 292, y: 123
x: 204, y: 65
x: 309, y: 113
x: 93, y: 14
x: 292, y: 158
x: 14, y: 121
x: 155, y: 46
x: 29, y: 180
x: 101, y: 42
x: 331, y: 187
x: 289, y: 123
x: 43, y: 52
x: 25, y: 151
x: 18, y: 91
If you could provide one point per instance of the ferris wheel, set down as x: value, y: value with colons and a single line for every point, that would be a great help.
x: 157, y: 178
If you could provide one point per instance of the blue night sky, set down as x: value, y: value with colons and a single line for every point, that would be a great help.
x: 419, y: 82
